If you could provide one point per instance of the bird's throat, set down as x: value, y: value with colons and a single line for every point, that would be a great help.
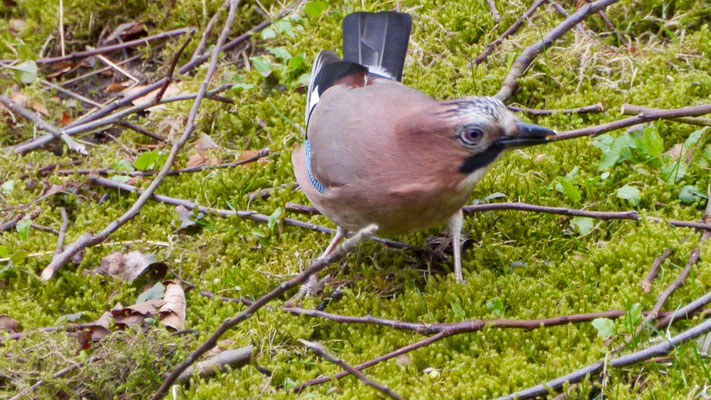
x: 481, y: 160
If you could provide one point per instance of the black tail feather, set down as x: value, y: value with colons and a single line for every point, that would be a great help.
x: 378, y: 41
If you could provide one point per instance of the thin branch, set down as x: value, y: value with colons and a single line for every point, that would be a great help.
x: 61, y: 27
x: 266, y: 193
x: 40, y: 123
x: 250, y: 215
x: 512, y: 29
x: 206, y: 33
x: 646, y: 283
x: 663, y: 296
x: 11, y: 224
x: 403, y: 350
x: 595, y: 108
x: 100, y: 70
x: 182, y: 70
x: 34, y: 144
x: 661, y: 349
x: 169, y: 77
x: 230, y: 323
x: 510, y: 83
x: 141, y: 130
x: 636, y: 120
x: 602, y: 215
x: 56, y: 375
x: 242, y: 300
x: 108, y: 49
x: 62, y: 231
x: 612, y: 27
x: 685, y: 312
x: 70, y: 93
x: 564, y: 13
x: 476, y: 324
x: 44, y: 228
x: 494, y: 12
x: 87, y: 239
x: 219, y: 363
x: 319, y: 349
x: 631, y: 109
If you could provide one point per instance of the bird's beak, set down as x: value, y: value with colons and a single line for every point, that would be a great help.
x: 528, y: 135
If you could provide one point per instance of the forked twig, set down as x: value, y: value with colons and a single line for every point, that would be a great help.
x: 230, y: 323
x: 88, y: 239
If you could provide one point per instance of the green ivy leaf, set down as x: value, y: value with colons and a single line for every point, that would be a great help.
x: 150, y: 160
x: 584, y: 225
x: 314, y: 9
x: 629, y: 193
x: 694, y: 137
x: 274, y: 218
x: 564, y: 186
x: 26, y: 71
x: 268, y: 33
x: 605, y: 327
x: 281, y: 53
x: 8, y: 186
x: 154, y: 293
x: 262, y: 66
x: 674, y: 170
x: 689, y: 194
x: 23, y: 227
x: 123, y: 166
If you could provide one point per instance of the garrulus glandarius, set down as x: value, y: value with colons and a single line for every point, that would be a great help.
x: 377, y: 151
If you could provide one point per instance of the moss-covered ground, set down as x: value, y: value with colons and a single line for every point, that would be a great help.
x: 517, y: 265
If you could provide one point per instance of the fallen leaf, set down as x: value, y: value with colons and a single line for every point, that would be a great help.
x: 126, y: 31
x: 117, y: 86
x: 172, y: 90
x: 204, y: 144
x: 195, y: 159
x: 66, y: 119
x: 137, y: 313
x: 155, y: 292
x: 8, y: 324
x: 247, y: 154
x: 187, y: 217
x: 172, y: 313
x: 39, y: 107
x: 129, y: 266
x: 100, y: 327
x: 19, y: 98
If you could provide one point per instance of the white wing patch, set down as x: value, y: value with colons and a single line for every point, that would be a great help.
x: 313, y: 100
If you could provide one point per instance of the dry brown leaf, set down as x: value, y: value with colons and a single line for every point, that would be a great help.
x: 679, y: 150
x: 39, y: 107
x: 100, y: 327
x: 247, y: 154
x: 117, y: 86
x: 137, y: 313
x: 66, y: 119
x: 57, y: 72
x: 195, y: 160
x: 129, y: 266
x: 18, y: 97
x: 8, y: 324
x: 204, y: 144
x: 126, y: 31
x: 172, y: 313
x: 172, y: 90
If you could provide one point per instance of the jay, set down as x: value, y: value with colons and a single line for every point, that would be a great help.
x: 377, y: 151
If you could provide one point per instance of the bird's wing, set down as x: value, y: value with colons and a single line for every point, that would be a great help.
x: 329, y: 70
x: 353, y: 129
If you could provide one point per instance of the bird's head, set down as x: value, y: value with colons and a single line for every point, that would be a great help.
x: 475, y: 130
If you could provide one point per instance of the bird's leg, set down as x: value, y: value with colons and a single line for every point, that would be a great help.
x: 455, y: 232
x: 313, y: 285
x: 340, y: 234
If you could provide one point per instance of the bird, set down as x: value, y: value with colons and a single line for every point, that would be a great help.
x: 379, y: 152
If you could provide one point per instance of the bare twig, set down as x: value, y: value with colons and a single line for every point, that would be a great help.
x: 169, y: 77
x: 266, y: 193
x: 685, y: 312
x: 37, y: 143
x: 61, y: 27
x: 512, y: 29
x: 40, y: 123
x: 636, y: 120
x: 319, y: 349
x: 62, y: 231
x: 602, y: 215
x: 88, y: 239
x: 44, y: 228
x: 206, y: 33
x: 564, y: 13
x: 595, y: 108
x: 250, y: 215
x: 11, y: 224
x: 403, y: 350
x: 141, y: 130
x: 57, y: 374
x: 100, y: 70
x: 661, y: 349
x: 646, y: 283
x: 494, y: 12
x: 230, y: 323
x: 476, y: 324
x: 631, y: 109
x: 70, y: 93
x: 612, y: 27
x: 116, y: 67
x: 108, y: 49
x: 219, y: 363
x: 522, y: 62
x: 210, y: 295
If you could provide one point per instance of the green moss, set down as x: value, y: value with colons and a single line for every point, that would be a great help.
x: 533, y: 264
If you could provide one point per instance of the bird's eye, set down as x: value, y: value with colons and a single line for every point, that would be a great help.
x: 471, y: 136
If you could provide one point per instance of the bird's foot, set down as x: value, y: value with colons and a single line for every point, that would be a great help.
x: 310, y: 288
